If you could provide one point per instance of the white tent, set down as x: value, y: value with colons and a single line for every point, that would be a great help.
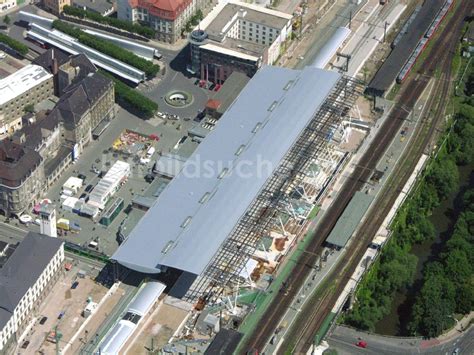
x: 73, y: 184
x: 109, y: 184
x: 69, y: 203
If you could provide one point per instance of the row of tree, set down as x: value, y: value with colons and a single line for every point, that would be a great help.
x: 108, y: 48
x: 132, y: 99
x: 13, y: 44
x: 193, y: 21
x: 396, y: 266
x: 147, y: 32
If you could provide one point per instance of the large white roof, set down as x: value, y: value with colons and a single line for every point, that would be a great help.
x: 199, y: 209
x: 21, y: 81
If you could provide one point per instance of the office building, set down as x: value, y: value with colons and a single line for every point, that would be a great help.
x: 25, y: 88
x: 237, y: 36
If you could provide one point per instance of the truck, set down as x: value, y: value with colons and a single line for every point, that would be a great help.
x: 150, y: 152
x: 63, y: 224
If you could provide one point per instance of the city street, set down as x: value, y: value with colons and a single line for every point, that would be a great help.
x: 343, y: 340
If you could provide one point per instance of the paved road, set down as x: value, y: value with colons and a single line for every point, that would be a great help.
x: 343, y: 340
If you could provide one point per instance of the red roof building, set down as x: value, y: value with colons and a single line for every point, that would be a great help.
x: 166, y: 17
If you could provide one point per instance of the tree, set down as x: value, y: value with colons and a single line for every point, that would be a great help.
x: 444, y: 176
x: 29, y: 108
x: 6, y: 20
x: 199, y: 15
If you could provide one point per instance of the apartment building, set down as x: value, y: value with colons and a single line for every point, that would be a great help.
x: 166, y: 17
x: 28, y: 273
x: 237, y: 36
x: 27, y: 86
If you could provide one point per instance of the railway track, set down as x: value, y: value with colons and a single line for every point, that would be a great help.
x: 423, y: 135
x: 413, y: 88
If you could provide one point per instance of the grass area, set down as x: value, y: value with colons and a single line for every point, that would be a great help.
x: 394, y: 91
x: 314, y: 212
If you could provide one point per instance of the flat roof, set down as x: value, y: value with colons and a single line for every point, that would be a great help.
x: 230, y: 90
x: 201, y: 206
x: 222, y: 19
x: 21, y: 81
x: 350, y: 219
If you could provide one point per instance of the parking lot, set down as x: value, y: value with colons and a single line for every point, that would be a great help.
x: 172, y: 134
x: 64, y: 300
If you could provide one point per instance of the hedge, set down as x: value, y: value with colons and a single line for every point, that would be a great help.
x: 113, y: 22
x: 132, y: 98
x: 108, y: 48
x: 13, y: 44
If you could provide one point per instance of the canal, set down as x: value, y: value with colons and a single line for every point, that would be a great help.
x: 443, y: 218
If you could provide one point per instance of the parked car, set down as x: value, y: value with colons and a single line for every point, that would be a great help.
x: 61, y: 315
x: 212, y: 86
x: 75, y: 226
x: 83, y: 196
x: 361, y: 344
x: 89, y: 188
x: 149, y: 178
x: 74, y: 285
x: 81, y: 176
x: 218, y: 87
x: 43, y: 320
x: 25, y: 344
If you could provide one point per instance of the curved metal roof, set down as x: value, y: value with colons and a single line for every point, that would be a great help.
x: 146, y: 298
x: 201, y: 206
x: 330, y: 47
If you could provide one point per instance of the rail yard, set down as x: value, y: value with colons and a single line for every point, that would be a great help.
x: 320, y: 307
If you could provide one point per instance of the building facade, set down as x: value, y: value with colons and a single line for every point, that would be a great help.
x: 7, y: 5
x: 26, y: 87
x: 166, y: 17
x: 56, y: 6
x: 21, y: 177
x: 51, y: 140
x: 25, y: 278
x: 237, y: 36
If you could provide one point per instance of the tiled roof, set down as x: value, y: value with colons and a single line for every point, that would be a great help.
x: 16, y: 162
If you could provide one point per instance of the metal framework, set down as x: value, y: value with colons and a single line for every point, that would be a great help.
x: 261, y: 215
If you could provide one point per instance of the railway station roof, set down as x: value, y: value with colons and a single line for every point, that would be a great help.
x: 350, y: 219
x: 200, y: 207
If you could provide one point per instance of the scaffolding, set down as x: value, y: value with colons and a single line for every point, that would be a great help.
x: 262, y: 215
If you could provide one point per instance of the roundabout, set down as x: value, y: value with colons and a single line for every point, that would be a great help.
x: 178, y: 98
